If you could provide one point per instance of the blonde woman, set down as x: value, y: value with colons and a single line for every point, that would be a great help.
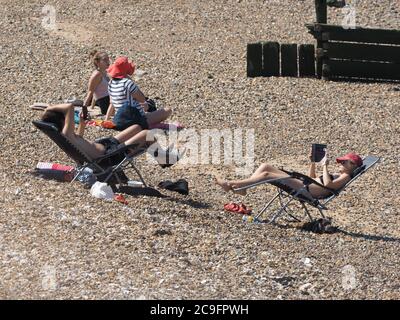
x: 98, y: 82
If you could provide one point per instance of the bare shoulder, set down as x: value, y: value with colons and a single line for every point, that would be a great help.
x: 96, y: 74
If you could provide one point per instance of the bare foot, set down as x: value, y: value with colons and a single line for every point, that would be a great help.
x: 223, y: 184
x: 241, y: 192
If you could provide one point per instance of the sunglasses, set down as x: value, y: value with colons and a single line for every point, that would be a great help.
x: 347, y: 161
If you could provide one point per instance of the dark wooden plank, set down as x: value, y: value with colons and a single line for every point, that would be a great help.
x: 357, y: 69
x: 366, y: 35
x: 321, y: 11
x: 254, y: 59
x: 271, y: 65
x: 306, y: 60
x: 357, y: 51
x: 318, y: 59
x: 289, y: 66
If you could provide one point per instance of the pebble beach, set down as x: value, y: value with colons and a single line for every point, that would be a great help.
x: 59, y: 242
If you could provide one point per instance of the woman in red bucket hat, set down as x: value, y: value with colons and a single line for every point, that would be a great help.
x: 128, y: 103
x: 348, y: 163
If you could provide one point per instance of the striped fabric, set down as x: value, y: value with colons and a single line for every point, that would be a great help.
x: 120, y: 91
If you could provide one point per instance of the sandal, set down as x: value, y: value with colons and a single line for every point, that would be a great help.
x: 120, y: 198
x: 232, y: 207
x: 239, y: 208
x: 243, y: 209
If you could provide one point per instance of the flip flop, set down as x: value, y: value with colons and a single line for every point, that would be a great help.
x: 232, y: 207
x: 120, y: 198
x: 243, y: 209
x: 239, y: 208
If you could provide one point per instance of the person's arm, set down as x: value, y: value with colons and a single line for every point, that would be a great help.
x: 110, y: 112
x: 68, y: 110
x: 337, y: 183
x: 325, y: 174
x: 137, y: 94
x: 94, y: 81
x: 82, y: 125
x: 311, y: 170
x: 139, y: 97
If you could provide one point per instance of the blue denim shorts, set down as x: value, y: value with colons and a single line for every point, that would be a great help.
x: 128, y: 115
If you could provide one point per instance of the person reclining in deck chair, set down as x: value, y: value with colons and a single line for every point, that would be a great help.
x: 62, y: 116
x: 348, y: 163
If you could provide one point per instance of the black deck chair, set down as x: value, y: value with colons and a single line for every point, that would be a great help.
x: 108, y: 168
x: 286, y: 194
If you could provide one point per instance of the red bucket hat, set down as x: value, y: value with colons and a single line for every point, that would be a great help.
x: 121, y: 68
x: 352, y: 157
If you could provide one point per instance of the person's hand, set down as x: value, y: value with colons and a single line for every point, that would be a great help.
x: 310, y: 157
x: 325, y: 160
x: 82, y: 117
x: 145, y: 106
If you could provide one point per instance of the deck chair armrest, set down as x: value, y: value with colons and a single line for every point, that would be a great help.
x: 307, y: 180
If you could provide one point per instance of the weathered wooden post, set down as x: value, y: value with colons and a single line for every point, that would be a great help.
x: 254, y: 60
x: 289, y: 65
x: 271, y: 59
x: 306, y: 60
x: 321, y: 10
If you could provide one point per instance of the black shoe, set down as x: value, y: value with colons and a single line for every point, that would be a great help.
x: 181, y: 186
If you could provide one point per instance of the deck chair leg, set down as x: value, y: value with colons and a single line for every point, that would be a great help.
x: 266, y: 206
x: 140, y: 176
x: 307, y: 212
x: 287, y: 211
x: 279, y: 211
x: 321, y: 213
x: 114, y: 170
x: 78, y: 173
x: 292, y: 216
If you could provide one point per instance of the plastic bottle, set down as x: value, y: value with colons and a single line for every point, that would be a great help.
x: 247, y: 218
x: 87, y: 177
x: 250, y: 219
x: 133, y: 183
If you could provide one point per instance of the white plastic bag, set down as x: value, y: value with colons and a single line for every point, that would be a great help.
x: 102, y: 190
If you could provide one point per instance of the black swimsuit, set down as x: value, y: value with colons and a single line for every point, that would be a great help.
x: 321, y: 177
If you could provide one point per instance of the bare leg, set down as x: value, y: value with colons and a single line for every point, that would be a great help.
x: 139, y: 138
x: 158, y: 115
x: 262, y: 173
x: 128, y: 133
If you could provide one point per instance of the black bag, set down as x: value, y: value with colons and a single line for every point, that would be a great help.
x: 323, y: 225
x: 152, y: 105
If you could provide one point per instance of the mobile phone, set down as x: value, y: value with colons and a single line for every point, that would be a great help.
x: 85, y: 112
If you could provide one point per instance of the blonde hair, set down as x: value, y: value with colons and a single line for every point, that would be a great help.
x: 96, y: 56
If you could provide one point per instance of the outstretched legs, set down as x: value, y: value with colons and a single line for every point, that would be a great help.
x: 265, y: 171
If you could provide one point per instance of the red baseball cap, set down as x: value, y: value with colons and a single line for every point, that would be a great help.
x: 121, y: 68
x: 352, y: 157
